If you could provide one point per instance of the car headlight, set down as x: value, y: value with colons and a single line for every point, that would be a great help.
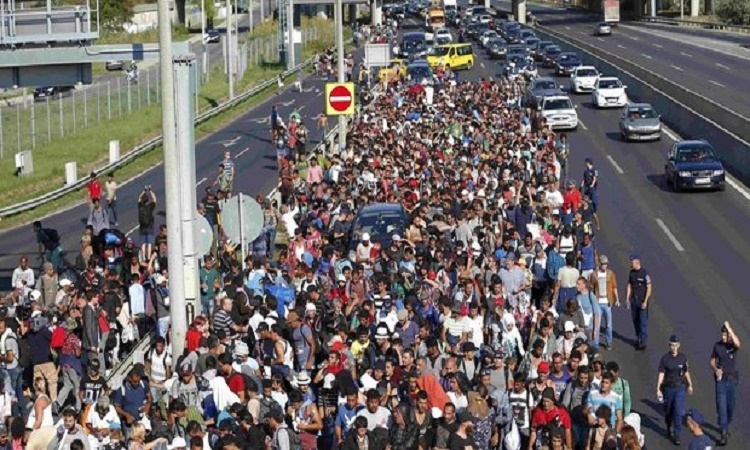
x: 718, y: 172
x: 684, y: 174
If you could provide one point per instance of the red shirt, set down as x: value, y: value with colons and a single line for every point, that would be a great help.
x: 95, y: 189
x: 236, y: 383
x: 540, y: 418
x: 193, y: 339
x: 572, y: 200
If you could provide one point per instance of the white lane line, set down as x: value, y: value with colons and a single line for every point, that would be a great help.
x: 646, y: 56
x: 247, y: 149
x: 677, y: 68
x: 600, y: 39
x: 567, y: 28
x: 723, y: 66
x: 672, y: 135
x: 632, y: 37
x: 716, y: 83
x: 584, y: 33
x: 132, y: 230
x: 481, y: 64
x: 686, y: 54
x: 583, y: 125
x: 616, y: 166
x: 620, y: 46
x: 658, y: 45
x: 201, y: 181
x: 670, y: 235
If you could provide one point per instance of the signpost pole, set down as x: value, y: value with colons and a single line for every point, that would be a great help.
x: 230, y: 50
x: 241, y: 209
x: 290, y: 37
x: 338, y: 15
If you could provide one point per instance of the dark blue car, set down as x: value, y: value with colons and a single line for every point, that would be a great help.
x: 566, y: 63
x: 694, y: 165
x: 379, y: 221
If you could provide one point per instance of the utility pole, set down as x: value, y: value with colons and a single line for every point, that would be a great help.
x: 338, y: 17
x: 290, y: 37
x: 230, y: 49
x: 204, y: 64
x: 171, y: 182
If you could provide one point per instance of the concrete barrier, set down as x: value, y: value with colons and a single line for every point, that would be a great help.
x: 689, y: 114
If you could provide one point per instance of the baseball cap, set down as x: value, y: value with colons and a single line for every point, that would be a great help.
x: 697, y: 416
x: 543, y: 367
x: 603, y: 259
x: 569, y: 326
x: 635, y: 257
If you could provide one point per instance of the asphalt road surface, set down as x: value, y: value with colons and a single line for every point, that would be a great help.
x: 694, y: 245
x: 688, y: 58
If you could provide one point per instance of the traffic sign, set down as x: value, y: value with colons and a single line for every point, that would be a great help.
x: 242, y: 219
x: 340, y: 99
x: 203, y: 234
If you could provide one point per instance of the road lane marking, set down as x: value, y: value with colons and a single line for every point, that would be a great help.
x: 567, y: 28
x: 600, y: 39
x: 723, y: 66
x: 481, y: 64
x: 620, y: 46
x: 686, y: 54
x: 201, y: 181
x: 583, y: 125
x: 132, y: 230
x: 716, y: 83
x: 646, y: 56
x: 245, y: 150
x: 616, y: 166
x: 658, y: 45
x: 583, y: 33
x: 677, y: 68
x: 632, y: 37
x: 670, y: 235
x: 672, y: 135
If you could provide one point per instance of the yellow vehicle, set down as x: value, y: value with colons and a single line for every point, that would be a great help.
x: 453, y: 56
x: 396, y: 70
x: 435, y: 19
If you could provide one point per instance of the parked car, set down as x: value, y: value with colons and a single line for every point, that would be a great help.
x: 41, y: 93
x: 640, y: 122
x: 694, y: 165
x: 212, y: 37
x: 113, y: 65
x: 609, y: 92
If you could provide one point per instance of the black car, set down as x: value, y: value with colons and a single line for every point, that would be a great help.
x: 566, y: 63
x: 380, y: 222
x: 551, y: 53
x: 538, y: 52
x: 694, y: 165
x: 538, y: 89
x: 497, y: 48
x: 41, y: 93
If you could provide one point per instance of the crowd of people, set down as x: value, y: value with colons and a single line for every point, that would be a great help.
x: 482, y: 320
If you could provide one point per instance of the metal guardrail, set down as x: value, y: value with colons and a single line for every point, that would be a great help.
x: 743, y: 29
x: 143, y: 148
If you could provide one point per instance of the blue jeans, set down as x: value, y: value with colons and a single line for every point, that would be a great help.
x: 606, y: 321
x: 725, y: 401
x: 640, y: 323
x: 163, y: 326
x: 564, y: 295
x: 15, y: 379
x: 674, y: 408
x: 271, y: 236
x: 580, y: 434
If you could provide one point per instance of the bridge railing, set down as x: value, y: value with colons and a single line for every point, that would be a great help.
x: 743, y: 29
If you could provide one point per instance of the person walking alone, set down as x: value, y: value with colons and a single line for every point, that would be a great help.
x: 603, y: 283
x: 639, y: 297
x: 672, y: 383
x: 110, y: 188
x: 724, y: 366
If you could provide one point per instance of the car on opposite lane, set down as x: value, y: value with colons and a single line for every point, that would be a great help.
x: 694, y: 165
x: 609, y: 92
x: 603, y: 29
x: 640, y: 122
x: 583, y: 79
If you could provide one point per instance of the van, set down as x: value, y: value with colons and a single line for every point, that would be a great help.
x: 455, y: 56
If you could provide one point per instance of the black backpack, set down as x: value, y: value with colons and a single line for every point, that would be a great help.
x: 52, y: 235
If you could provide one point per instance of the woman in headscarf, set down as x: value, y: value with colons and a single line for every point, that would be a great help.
x: 512, y: 342
x: 485, y: 433
x: 404, y: 435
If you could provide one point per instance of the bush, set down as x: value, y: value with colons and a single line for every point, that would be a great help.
x: 736, y: 12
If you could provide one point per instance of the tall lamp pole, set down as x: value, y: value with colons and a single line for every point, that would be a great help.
x: 230, y: 49
x: 338, y: 17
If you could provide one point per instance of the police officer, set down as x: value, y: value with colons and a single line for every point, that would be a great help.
x: 724, y: 365
x: 590, y: 183
x: 639, y: 298
x: 672, y: 383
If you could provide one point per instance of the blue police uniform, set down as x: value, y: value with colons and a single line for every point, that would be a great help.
x: 639, y: 281
x: 725, y: 353
x: 674, y: 390
x: 591, y: 186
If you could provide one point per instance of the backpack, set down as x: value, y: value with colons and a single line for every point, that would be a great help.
x: 267, y: 405
x: 24, y: 351
x: 294, y: 442
x: 52, y: 235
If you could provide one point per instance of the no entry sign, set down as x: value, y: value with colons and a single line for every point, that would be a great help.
x: 340, y: 99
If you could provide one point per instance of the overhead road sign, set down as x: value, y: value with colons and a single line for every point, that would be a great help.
x: 340, y: 99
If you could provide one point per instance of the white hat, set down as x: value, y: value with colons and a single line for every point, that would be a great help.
x: 464, y: 193
x: 241, y: 349
x: 303, y: 378
x: 569, y: 326
x: 35, y: 295
x: 159, y: 278
x: 65, y: 282
x: 366, y: 236
x: 177, y: 442
x: 36, y: 313
x: 310, y: 307
x: 382, y: 333
x: 396, y: 238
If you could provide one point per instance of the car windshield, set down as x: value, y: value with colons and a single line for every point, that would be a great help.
x: 609, y: 84
x: 553, y: 51
x: 586, y: 73
x: 568, y: 58
x: 443, y: 40
x: 419, y: 71
x: 698, y: 153
x: 385, y: 224
x: 642, y: 113
x: 558, y: 103
x: 413, y: 44
x: 440, y: 51
x: 546, y: 84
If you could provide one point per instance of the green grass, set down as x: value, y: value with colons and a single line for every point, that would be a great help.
x: 89, y: 146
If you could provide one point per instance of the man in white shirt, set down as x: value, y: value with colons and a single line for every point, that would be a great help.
x: 376, y: 415
x: 23, y: 275
x: 554, y: 196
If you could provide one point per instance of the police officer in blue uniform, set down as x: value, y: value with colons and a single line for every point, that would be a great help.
x: 724, y: 364
x: 590, y: 183
x: 672, y: 384
x: 639, y: 298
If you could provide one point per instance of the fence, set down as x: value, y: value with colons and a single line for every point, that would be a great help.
x: 37, y: 122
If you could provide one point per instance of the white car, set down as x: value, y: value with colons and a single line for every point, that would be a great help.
x: 486, y: 36
x: 560, y: 112
x: 484, y: 18
x: 583, y: 79
x: 609, y: 92
x: 443, y: 33
x: 603, y: 29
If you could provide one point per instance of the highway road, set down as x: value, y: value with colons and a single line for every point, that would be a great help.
x: 694, y: 245
x: 690, y: 59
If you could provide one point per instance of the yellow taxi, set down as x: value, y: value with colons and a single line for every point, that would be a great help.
x: 396, y: 70
x: 455, y: 56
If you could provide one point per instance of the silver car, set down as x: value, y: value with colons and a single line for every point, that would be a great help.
x: 640, y: 122
x: 603, y: 29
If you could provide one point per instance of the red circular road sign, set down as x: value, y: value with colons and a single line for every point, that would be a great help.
x: 340, y: 98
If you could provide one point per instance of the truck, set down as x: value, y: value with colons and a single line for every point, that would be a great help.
x: 611, y: 10
x: 435, y: 19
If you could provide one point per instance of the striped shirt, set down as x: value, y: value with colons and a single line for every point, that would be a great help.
x: 228, y: 167
x: 223, y: 321
x: 613, y: 400
x: 457, y: 326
